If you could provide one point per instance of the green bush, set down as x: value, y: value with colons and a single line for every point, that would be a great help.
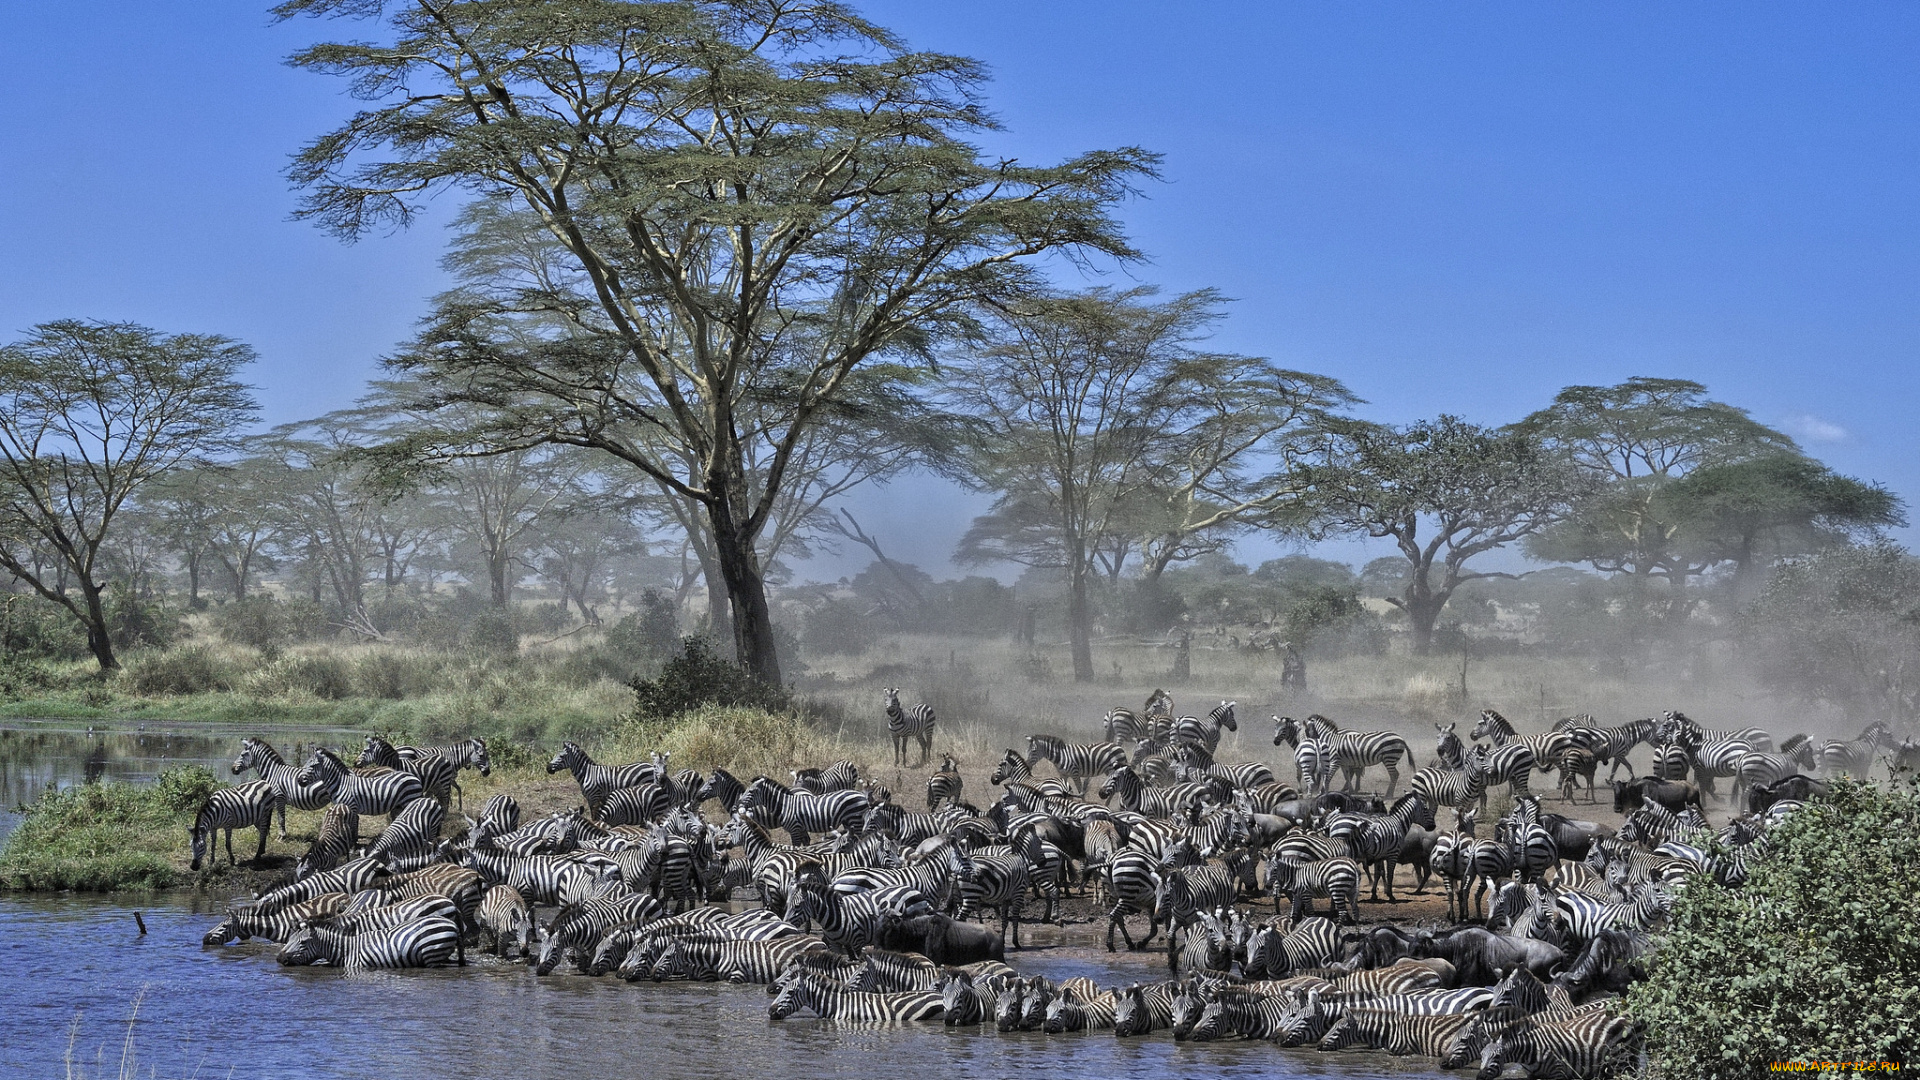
x: 648, y: 636
x: 697, y: 677
x: 1816, y: 958
x: 395, y: 676
x: 262, y: 622
x: 32, y: 626
x: 496, y: 630
x: 20, y: 677
x: 100, y: 837
x: 323, y: 676
x: 184, y: 787
x: 181, y: 671
x: 136, y: 621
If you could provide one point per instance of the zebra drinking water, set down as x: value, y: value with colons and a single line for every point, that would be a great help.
x: 249, y: 804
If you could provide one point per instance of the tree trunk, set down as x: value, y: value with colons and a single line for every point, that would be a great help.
x: 746, y: 591
x: 99, y: 641
x: 497, y: 566
x: 193, y: 580
x: 1423, y: 607
x: 1079, y: 620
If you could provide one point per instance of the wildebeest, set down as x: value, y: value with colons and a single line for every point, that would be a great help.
x: 1797, y: 786
x: 940, y: 939
x: 1480, y: 956
x: 1675, y: 795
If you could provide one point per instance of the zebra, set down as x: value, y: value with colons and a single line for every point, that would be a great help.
x: 1586, y: 917
x: 598, y: 781
x: 333, y: 842
x: 1123, y: 726
x: 1584, y: 1045
x: 1610, y: 744
x: 1574, y: 763
x: 842, y: 775
x: 259, y: 754
x: 367, y: 912
x: 722, y: 785
x: 468, y: 754
x: 1001, y: 882
x: 774, y: 866
x: 1079, y: 762
x: 1375, y: 839
x: 736, y: 961
x: 1548, y: 746
x: 1492, y: 862
x: 1453, y: 787
x: 578, y: 925
x: 251, y: 803
x: 1192, y: 729
x: 1711, y: 757
x: 436, y: 773
x: 1244, y: 775
x: 1396, y: 1032
x: 425, y: 942
x: 1671, y: 761
x: 1131, y: 884
x: 936, y: 876
x: 504, y: 914
x: 502, y: 812
x: 1337, y: 879
x: 1759, y: 768
x: 1855, y: 756
x: 351, y: 878
x: 664, y: 865
x: 1164, y: 802
x: 542, y: 879
x: 380, y: 791
x: 242, y: 924
x: 909, y: 723
x: 411, y: 840
x: 801, y: 813
x: 1511, y: 765
x: 641, y: 805
x: 1312, y: 758
x: 850, y: 921
x: 1201, y: 945
x: 1534, y: 851
x: 1756, y: 738
x: 1311, y: 943
x: 807, y: 991
x: 1140, y: 1008
x: 945, y: 784
x: 969, y: 1000
x: 1353, y: 751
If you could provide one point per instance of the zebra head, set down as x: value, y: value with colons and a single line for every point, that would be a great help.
x: 1010, y: 767
x: 323, y: 765
x: 1208, y: 1027
x: 1064, y: 1013
x: 250, y: 757
x: 1285, y: 731
x: 1130, y: 1013
x: 377, y: 751
x: 1447, y: 743
x: 304, y: 946
x: 794, y: 994
x: 570, y: 757
x: 1007, y: 1007
x: 1033, y: 1003
x: 226, y: 930
x: 1224, y: 714
x: 481, y: 760
x: 893, y: 698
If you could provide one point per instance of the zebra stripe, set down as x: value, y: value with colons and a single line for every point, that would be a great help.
x: 1586, y: 917
x: 249, y: 804
x: 351, y: 878
x: 504, y: 915
x: 259, y: 754
x: 1353, y: 751
x: 829, y: 1002
x: 577, y: 926
x: 412, y: 839
x: 801, y: 813
x: 1586, y: 1045
x: 1611, y: 744
x: 944, y: 785
x: 1312, y: 758
x: 242, y: 924
x: 1395, y: 1032
x: 642, y: 805
x: 542, y: 879
x: 1141, y: 1008
x: 436, y: 773
x: 333, y: 842
x: 598, y: 781
x: 423, y: 943
x: 909, y: 723
x: 1337, y: 879
x: 377, y: 791
x: 1077, y: 762
x: 738, y: 961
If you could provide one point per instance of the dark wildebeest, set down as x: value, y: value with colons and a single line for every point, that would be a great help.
x: 1797, y: 786
x: 1675, y: 795
x: 940, y: 939
x: 1480, y: 956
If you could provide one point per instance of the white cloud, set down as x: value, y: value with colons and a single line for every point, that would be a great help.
x: 1809, y: 428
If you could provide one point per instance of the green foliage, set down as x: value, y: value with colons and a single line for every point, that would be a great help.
x: 20, y: 677
x: 700, y: 676
x: 184, y: 788
x: 103, y: 837
x: 1844, y: 626
x: 650, y: 635
x: 139, y: 621
x: 495, y: 630
x: 33, y: 626
x: 181, y: 671
x: 392, y: 675
x: 1815, y: 958
x: 269, y: 624
x: 1330, y: 620
x: 744, y: 740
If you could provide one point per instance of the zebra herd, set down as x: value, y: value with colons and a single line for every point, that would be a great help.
x: 856, y: 908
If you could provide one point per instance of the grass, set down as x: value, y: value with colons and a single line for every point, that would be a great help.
x: 98, y: 838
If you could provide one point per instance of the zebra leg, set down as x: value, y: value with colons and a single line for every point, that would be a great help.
x: 231, y: 861
x: 264, y: 827
x: 1393, y: 777
x: 1387, y: 869
x: 282, y: 808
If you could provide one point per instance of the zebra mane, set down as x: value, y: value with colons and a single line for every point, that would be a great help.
x: 264, y: 748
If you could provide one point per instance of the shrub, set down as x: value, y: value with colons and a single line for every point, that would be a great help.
x: 323, y: 676
x: 135, y: 621
x: 270, y: 625
x: 181, y: 671
x: 395, y: 676
x: 20, y: 677
x: 1815, y: 958
x: 836, y: 628
x: 32, y: 626
x: 184, y: 787
x: 99, y: 837
x: 650, y: 635
x: 699, y: 676
x: 495, y: 630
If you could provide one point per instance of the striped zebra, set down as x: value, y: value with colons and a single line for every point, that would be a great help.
x: 249, y: 804
x: 1576, y: 762
x: 1855, y: 756
x: 970, y: 999
x: 436, y: 773
x: 775, y: 867
x: 1547, y: 747
x: 242, y: 924
x: 1141, y: 1008
x: 1586, y: 917
x: 830, y: 1002
x: 599, y: 781
x: 737, y: 961
x: 333, y: 841
x: 543, y: 879
x: 1671, y: 761
x: 423, y: 943
x: 351, y: 878
x: 367, y: 912
x: 915, y: 722
x: 1337, y: 879
x: 801, y: 813
x: 1511, y: 765
x: 937, y: 876
x: 377, y: 791
x: 1012, y: 769
x: 1124, y: 726
x: 1396, y: 1032
x: 412, y: 839
x: 466, y: 754
x: 504, y: 916
x: 1492, y: 864
x: 1311, y: 943
x: 1712, y: 758
x: 1193, y: 729
x: 911, y: 828
x: 502, y: 812
x: 1586, y: 1045
x: 1759, y: 768
x: 1077, y: 762
x: 1166, y: 802
x: 577, y: 926
x: 1532, y: 847
x: 260, y: 755
x: 1440, y: 786
x: 641, y: 805
x: 1312, y: 758
x: 1757, y: 738
x: 1001, y: 882
x: 664, y: 865
x: 722, y: 785
x: 1353, y: 751
x: 850, y: 921
x: 1071, y: 1011
x: 1375, y: 839
x: 1244, y: 775
x: 1131, y: 884
x: 1610, y: 744
x: 1182, y: 895
x: 842, y: 775
x: 945, y: 785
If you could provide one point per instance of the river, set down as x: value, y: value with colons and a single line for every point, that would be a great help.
x: 75, y: 966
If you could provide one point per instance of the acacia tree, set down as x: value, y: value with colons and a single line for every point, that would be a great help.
x: 91, y: 413
x: 750, y: 201
x: 1068, y: 394
x: 1444, y: 491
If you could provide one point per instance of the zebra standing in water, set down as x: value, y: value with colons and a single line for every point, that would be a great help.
x: 1312, y: 758
x: 1353, y: 751
x: 258, y: 754
x: 233, y: 808
x: 909, y: 723
x: 805, y: 990
x: 422, y: 943
x: 384, y: 792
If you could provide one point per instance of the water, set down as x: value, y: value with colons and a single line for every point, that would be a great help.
x: 76, y: 964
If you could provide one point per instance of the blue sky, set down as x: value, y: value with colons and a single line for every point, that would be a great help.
x: 1454, y: 208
